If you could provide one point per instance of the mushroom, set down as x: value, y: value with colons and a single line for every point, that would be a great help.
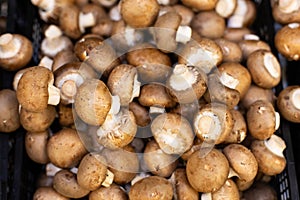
x: 235, y: 76
x: 239, y: 130
x: 181, y: 187
x: 104, y: 27
x: 9, y: 109
x: 287, y: 6
x: 69, y: 77
x: 260, y: 190
x: 256, y: 93
x: 15, y: 51
x: 242, y: 162
x: 264, y: 68
x: 236, y: 34
x: 36, y: 146
x: 228, y: 191
x: 157, y: 161
x: 262, y: 120
x: 141, y: 114
x: 65, y: 149
x: 97, y: 10
x: 203, y: 53
x: 113, y: 192
x: 123, y: 82
x: 225, y: 8
x: 186, y: 84
x: 122, y: 162
x: 55, y: 41
x: 286, y: 41
x: 93, y: 101
x: 65, y: 115
x: 244, y: 14
x: 200, y: 5
x: 231, y: 51
x: 209, y: 24
x: 73, y: 22
x: 167, y: 32
x: 48, y: 193
x: 37, y: 121
x: 35, y: 89
x: 288, y: 103
x: 93, y: 172
x: 186, y: 14
x: 269, y: 155
x: 65, y: 183
x: 207, y: 170
x: 213, y: 123
x: 139, y: 14
x: 173, y: 133
x: 285, y: 12
x: 152, y: 64
x: 153, y: 187
x: 63, y: 57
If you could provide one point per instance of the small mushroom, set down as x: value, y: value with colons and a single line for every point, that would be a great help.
x: 48, y: 193
x: 288, y: 103
x: 63, y: 57
x: 236, y: 34
x: 244, y: 14
x: 9, y: 109
x: 65, y: 183
x: 186, y: 14
x: 239, y: 130
x: 286, y: 41
x: 262, y: 120
x: 157, y: 161
x: 37, y: 121
x: 231, y: 50
x: 36, y: 146
x: 235, y: 76
x: 173, y: 133
x: 73, y: 22
x: 186, y: 84
x: 65, y: 149
x: 113, y: 192
x: 152, y: 64
x: 264, y: 68
x: 207, y: 172
x: 213, y: 123
x: 260, y: 190
x: 140, y: 113
x: 167, y: 32
x: 35, y: 89
x: 15, y: 51
x: 55, y: 41
x: 97, y: 10
x: 269, y: 155
x: 225, y: 8
x: 242, y: 162
x: 208, y: 24
x: 139, y: 14
x: 200, y: 5
x: 203, y: 53
x: 104, y: 27
x: 152, y: 187
x: 229, y: 191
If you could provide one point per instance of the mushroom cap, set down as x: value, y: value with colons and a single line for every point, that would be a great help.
x: 84, y: 46
x: 48, y: 193
x: 207, y: 173
x: 32, y: 92
x: 36, y: 146
x: 9, y: 109
x: 286, y: 101
x: 97, y: 10
x: 19, y: 56
x: 152, y: 187
x: 93, y: 102
x: 140, y: 113
x: 260, y: 190
x: 242, y: 161
x: 165, y: 29
x: 287, y: 41
x: 185, y: 12
x: 65, y: 149
x: 250, y: 46
x: 239, y: 130
x: 236, y: 34
x: 69, y: 21
x: 113, y: 192
x: 139, y: 14
x: 283, y: 17
x: 200, y: 5
x: 228, y: 191
x: 63, y: 57
x: 231, y: 50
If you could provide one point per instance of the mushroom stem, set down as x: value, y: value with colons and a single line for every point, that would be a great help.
x: 156, y: 110
x: 277, y: 120
x: 136, y: 88
x: 69, y: 89
x: 183, y: 34
x: 237, y: 20
x: 115, y: 105
x: 276, y: 145
x: 74, y: 170
x: 51, y: 169
x: 295, y: 98
x: 86, y: 20
x: 109, y: 179
x: 129, y: 34
x: 172, y: 180
x: 54, y: 95
x: 272, y: 65
x: 293, y: 25
x: 114, y: 13
x: 46, y: 62
x: 17, y: 78
x: 46, y: 5
x: 139, y: 177
x: 251, y: 37
x: 288, y: 6
x: 229, y: 81
x: 206, y: 196
x: 232, y: 173
x: 8, y: 45
x: 163, y: 2
x: 225, y: 8
x: 182, y: 78
x: 53, y: 32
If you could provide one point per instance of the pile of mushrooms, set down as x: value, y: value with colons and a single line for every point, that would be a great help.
x: 154, y: 99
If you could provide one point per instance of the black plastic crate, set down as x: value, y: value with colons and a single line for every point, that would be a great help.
x: 18, y: 174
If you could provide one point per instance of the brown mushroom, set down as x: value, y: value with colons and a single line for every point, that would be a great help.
x: 236, y: 34
x: 285, y: 12
x: 244, y: 14
x: 63, y: 57
x: 269, y: 155
x: 200, y: 5
x: 35, y: 89
x: 153, y: 187
x: 113, y: 192
x: 231, y: 51
x: 239, y: 130
x: 186, y: 14
x: 9, y: 109
x: 48, y: 193
x: 15, y: 51
x: 288, y: 103
x: 228, y: 191
x: 264, y: 68
x: 36, y: 146
x: 139, y: 14
x: 104, y: 27
x: 65, y: 115
x: 141, y: 114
